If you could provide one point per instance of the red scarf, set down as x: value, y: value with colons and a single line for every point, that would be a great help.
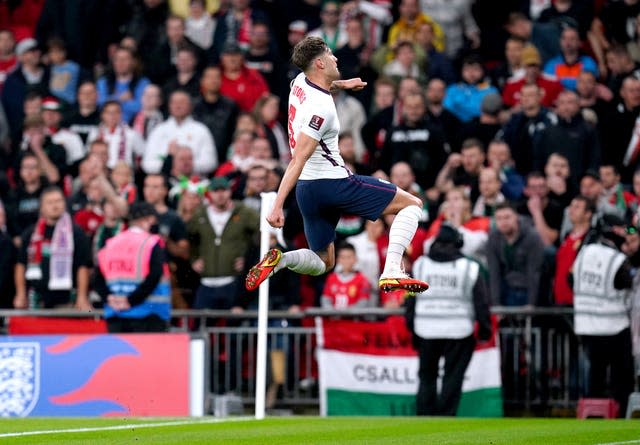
x: 34, y: 251
x: 244, y: 31
x: 60, y: 254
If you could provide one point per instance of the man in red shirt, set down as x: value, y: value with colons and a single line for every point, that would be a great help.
x: 580, y: 212
x: 244, y: 85
x: 532, y: 63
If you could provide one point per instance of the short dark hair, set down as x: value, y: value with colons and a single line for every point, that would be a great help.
x: 165, y: 180
x: 471, y: 143
x: 109, y: 103
x: 346, y: 246
x: 51, y: 189
x: 515, y: 17
x: 615, y: 168
x: 559, y: 155
x: 85, y: 82
x: 56, y: 43
x: 306, y: 50
x: 589, y: 204
x: 517, y: 39
x: 472, y: 59
x: 28, y: 154
x: 32, y: 95
x: 188, y: 49
x: 255, y: 167
x: 383, y: 80
x: 535, y: 174
x: 618, y: 50
x: 403, y: 43
x: 506, y: 205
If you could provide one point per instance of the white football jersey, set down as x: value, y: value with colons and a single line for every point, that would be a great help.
x: 313, y: 112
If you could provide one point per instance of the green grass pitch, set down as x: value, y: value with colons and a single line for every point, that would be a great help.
x: 316, y: 430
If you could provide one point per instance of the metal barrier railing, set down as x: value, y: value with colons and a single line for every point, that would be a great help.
x: 542, y: 360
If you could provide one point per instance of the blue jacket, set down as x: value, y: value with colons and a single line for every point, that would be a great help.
x: 464, y: 100
x: 129, y: 107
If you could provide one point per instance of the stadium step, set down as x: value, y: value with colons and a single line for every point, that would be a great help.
x: 605, y: 408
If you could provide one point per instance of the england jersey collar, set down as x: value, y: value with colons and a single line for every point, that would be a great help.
x: 317, y: 87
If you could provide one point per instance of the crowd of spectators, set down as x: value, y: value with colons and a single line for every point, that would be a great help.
x: 516, y: 122
x: 183, y: 104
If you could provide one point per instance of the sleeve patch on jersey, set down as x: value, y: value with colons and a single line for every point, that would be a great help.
x: 316, y: 122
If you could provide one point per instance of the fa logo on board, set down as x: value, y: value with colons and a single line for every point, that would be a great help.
x: 19, y: 378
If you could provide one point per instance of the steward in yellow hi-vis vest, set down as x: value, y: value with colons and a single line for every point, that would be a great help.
x: 133, y: 276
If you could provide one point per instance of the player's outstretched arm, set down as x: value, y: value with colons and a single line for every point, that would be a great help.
x: 355, y: 84
x: 305, y: 146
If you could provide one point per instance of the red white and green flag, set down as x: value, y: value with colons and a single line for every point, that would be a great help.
x: 370, y: 368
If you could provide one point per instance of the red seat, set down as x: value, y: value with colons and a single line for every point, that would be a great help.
x: 605, y: 408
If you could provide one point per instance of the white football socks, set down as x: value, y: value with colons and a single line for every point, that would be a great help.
x: 400, y: 235
x: 303, y: 261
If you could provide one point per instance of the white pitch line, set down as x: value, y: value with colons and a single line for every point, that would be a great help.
x: 627, y: 442
x: 124, y: 427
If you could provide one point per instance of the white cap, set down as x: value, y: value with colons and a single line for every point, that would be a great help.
x: 25, y: 45
x: 298, y: 26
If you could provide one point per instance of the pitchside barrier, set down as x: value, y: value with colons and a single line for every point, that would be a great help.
x: 538, y: 361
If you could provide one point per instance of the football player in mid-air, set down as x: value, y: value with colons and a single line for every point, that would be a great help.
x: 325, y: 186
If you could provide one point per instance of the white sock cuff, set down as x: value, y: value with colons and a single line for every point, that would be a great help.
x: 412, y: 211
x: 304, y: 261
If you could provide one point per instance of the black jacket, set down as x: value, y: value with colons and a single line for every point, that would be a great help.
x: 220, y: 118
x: 520, y: 132
x: 421, y: 145
x: 575, y: 139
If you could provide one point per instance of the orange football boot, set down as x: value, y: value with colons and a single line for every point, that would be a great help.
x: 263, y: 270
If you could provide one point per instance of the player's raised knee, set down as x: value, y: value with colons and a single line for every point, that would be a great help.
x: 415, y: 201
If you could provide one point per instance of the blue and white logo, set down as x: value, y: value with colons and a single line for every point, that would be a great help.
x: 19, y: 378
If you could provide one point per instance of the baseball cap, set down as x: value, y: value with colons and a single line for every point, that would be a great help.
x: 491, y: 104
x: 298, y: 26
x: 51, y: 103
x: 26, y: 45
x: 218, y: 183
x: 231, y: 48
x: 530, y: 56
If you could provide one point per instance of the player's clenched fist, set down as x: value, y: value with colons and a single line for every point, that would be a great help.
x: 276, y: 218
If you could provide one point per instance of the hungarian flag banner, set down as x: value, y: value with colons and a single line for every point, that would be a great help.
x: 371, y: 368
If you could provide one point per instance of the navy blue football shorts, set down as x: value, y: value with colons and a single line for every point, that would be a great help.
x: 322, y: 201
